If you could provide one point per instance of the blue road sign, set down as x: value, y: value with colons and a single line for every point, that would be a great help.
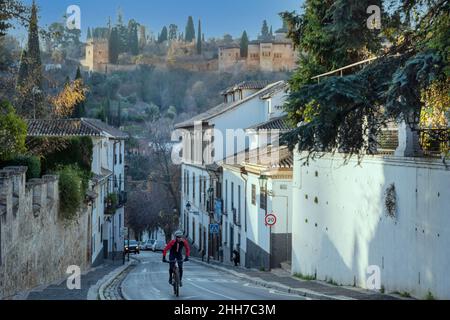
x: 214, y: 228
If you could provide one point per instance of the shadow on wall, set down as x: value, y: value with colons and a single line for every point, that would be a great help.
x: 385, y: 214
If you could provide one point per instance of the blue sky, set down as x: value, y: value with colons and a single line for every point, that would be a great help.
x: 218, y: 17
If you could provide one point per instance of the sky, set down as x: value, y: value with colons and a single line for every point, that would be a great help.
x: 217, y: 17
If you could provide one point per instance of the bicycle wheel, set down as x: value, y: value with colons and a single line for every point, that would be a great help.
x: 176, y: 284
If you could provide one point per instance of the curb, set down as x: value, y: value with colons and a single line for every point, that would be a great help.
x: 96, y: 292
x: 273, y: 285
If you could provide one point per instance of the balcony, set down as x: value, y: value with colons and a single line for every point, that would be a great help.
x: 115, y: 201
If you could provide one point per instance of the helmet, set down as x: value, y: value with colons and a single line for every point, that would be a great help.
x: 178, y: 233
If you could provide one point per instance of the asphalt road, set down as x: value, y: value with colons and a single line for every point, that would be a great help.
x: 149, y: 281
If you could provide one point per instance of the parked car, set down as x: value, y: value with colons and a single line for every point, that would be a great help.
x: 141, y: 245
x: 149, y: 244
x: 133, y: 247
x: 159, y: 245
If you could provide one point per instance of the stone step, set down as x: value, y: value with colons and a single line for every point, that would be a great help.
x: 286, y: 266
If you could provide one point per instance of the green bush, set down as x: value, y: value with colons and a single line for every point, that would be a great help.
x: 72, y: 189
x: 32, y: 162
x: 13, y: 132
x: 78, y: 152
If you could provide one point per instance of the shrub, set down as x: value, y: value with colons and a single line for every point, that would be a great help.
x: 78, y: 152
x: 32, y: 162
x: 72, y: 189
x: 13, y: 132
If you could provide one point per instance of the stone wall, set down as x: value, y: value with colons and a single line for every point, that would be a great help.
x: 36, y: 245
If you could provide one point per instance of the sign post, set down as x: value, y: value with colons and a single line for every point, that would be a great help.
x: 270, y: 220
x: 214, y: 228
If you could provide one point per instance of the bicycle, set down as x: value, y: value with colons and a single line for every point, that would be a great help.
x: 175, y: 278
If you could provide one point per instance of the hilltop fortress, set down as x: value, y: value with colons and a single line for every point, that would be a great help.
x: 271, y: 55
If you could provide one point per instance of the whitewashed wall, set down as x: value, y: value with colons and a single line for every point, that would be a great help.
x: 348, y: 228
x: 257, y: 231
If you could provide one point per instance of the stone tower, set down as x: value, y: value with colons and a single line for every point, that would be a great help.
x: 97, y: 55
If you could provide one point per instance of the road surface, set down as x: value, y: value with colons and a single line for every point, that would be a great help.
x: 149, y: 281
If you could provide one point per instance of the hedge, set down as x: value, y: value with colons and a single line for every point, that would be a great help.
x: 32, y: 162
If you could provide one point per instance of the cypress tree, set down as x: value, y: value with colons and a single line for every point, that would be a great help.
x: 199, y: 38
x: 190, y: 30
x: 133, y: 39
x: 89, y: 34
x: 29, y: 83
x: 79, y: 109
x: 163, y: 35
x: 244, y: 45
x: 119, y: 115
x: 265, y: 30
x: 114, y: 46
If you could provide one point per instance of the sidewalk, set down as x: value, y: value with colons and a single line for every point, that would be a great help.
x: 282, y: 280
x: 59, y: 291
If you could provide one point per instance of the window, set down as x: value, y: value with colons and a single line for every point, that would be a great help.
x: 187, y: 181
x: 218, y: 189
x: 120, y: 182
x: 239, y: 203
x: 226, y: 196
x: 232, y: 195
x: 262, y: 198
x: 193, y: 230
x: 253, y: 194
x: 200, y: 185
x: 204, y: 191
x: 120, y: 152
x: 115, y: 155
x: 193, y: 186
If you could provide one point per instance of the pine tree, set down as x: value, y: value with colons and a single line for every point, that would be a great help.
x: 29, y: 83
x: 190, y: 30
x: 199, y: 38
x: 244, y: 45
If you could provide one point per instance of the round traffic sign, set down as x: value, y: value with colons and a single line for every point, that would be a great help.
x: 270, y: 220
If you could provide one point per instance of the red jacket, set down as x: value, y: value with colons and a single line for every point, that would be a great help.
x: 176, y: 249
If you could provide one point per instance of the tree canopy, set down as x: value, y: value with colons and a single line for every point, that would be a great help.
x: 347, y: 112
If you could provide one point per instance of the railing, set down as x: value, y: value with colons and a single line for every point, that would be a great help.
x: 434, y: 142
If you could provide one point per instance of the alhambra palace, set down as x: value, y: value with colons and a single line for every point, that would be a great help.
x: 274, y: 55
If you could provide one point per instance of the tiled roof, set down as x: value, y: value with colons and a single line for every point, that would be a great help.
x: 250, y: 85
x: 71, y: 128
x: 114, y: 132
x: 282, y: 86
x: 224, y: 107
x: 280, y: 123
x: 60, y: 128
x: 262, y: 157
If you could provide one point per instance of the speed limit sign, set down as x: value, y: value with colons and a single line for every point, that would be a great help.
x: 270, y: 220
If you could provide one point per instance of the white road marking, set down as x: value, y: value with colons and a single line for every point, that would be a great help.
x: 221, y: 295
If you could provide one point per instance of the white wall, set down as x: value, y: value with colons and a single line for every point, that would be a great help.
x: 257, y: 231
x: 239, y: 231
x: 348, y: 229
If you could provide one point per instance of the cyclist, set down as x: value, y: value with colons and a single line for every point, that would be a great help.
x: 175, y: 248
